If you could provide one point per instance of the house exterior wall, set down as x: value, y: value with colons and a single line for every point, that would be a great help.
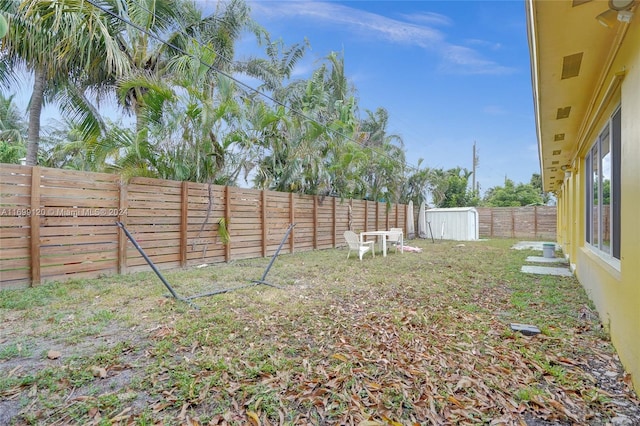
x: 615, y: 290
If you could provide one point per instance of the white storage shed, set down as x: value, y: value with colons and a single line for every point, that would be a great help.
x: 457, y: 223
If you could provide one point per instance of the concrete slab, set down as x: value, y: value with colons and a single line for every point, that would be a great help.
x: 532, y: 245
x: 546, y: 270
x: 526, y: 329
x: 540, y: 259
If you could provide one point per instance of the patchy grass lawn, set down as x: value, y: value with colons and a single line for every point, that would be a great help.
x: 413, y: 338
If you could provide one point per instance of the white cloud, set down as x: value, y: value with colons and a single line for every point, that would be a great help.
x: 484, y: 43
x: 419, y: 32
x: 356, y: 21
x: 494, y: 110
x: 429, y: 18
x: 464, y: 60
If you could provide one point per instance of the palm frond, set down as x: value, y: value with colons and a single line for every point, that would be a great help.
x: 225, y: 237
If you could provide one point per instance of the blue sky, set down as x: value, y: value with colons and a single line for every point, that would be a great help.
x: 448, y: 72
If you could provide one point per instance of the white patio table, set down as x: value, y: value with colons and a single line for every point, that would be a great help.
x: 381, y: 235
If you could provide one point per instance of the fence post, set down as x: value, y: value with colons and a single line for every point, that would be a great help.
x: 292, y: 219
x: 491, y: 216
x: 35, y: 226
x: 184, y: 222
x: 334, y: 227
x: 122, y: 218
x: 263, y: 221
x: 397, y: 213
x: 406, y: 215
x: 387, y: 212
x: 315, y: 222
x: 350, y: 215
x: 227, y: 218
x: 366, y: 215
x: 535, y: 221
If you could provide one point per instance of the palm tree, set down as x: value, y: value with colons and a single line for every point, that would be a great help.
x: 184, y: 28
x: 295, y: 162
x: 142, y: 26
x: 260, y: 129
x: 3, y: 26
x: 193, y: 144
x: 218, y: 32
x: 12, y: 126
x: 449, y: 188
x: 146, y: 85
x: 313, y: 135
x: 337, y: 83
x: 204, y: 115
x: 385, y: 171
x: 438, y: 184
x: 277, y: 68
x: 12, y: 130
x: 415, y: 184
x: 183, y: 88
x: 59, y: 51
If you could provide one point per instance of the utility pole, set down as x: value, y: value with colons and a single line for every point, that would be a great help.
x: 476, y: 162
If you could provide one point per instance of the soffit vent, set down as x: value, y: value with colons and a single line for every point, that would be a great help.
x: 579, y: 2
x: 557, y: 152
x: 558, y: 137
x: 571, y: 65
x: 555, y: 162
x: 563, y: 113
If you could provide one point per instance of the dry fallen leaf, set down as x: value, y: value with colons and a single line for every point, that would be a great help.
x: 464, y: 382
x: 52, y: 354
x: 340, y: 357
x: 455, y: 401
x: 255, y: 420
x: 123, y: 415
x: 391, y: 422
x: 98, y: 372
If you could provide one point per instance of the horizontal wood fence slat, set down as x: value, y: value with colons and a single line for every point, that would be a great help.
x: 58, y: 224
x: 532, y: 222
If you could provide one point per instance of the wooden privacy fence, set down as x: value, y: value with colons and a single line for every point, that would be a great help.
x: 534, y: 222
x: 57, y: 224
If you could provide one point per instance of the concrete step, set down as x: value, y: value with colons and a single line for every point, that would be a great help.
x: 546, y: 270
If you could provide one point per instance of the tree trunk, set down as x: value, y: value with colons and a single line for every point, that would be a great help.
x: 35, y: 111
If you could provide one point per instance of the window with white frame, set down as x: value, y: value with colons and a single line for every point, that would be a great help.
x: 603, y: 189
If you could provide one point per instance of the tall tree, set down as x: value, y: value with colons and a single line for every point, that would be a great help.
x: 276, y: 69
x: 12, y: 131
x: 512, y: 195
x: 385, y: 173
x: 169, y: 82
x: 143, y: 25
x: 206, y: 110
x: 67, y: 46
x: 12, y: 125
x: 536, y: 182
x: 452, y: 188
x: 416, y: 186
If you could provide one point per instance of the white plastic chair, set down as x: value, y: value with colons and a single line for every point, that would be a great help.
x: 396, y: 238
x: 355, y: 244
